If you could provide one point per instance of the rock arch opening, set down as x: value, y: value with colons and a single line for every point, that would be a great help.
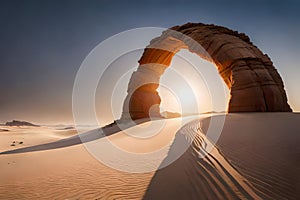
x: 254, y: 83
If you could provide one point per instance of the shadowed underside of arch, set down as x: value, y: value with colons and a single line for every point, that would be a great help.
x: 254, y: 83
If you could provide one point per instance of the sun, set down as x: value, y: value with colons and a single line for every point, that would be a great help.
x: 183, y: 88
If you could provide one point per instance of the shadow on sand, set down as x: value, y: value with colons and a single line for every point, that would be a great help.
x: 88, y: 136
x: 192, y: 177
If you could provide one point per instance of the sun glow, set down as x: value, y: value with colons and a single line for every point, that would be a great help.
x: 189, y: 85
x: 192, y: 85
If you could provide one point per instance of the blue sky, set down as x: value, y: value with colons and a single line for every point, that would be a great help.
x: 43, y: 43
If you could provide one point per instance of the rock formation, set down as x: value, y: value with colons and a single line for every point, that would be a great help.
x: 19, y: 123
x: 254, y: 83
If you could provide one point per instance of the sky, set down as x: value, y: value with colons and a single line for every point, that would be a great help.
x: 43, y: 44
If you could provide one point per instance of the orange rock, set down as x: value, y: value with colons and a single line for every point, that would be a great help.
x: 254, y: 83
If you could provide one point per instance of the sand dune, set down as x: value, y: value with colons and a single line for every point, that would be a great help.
x: 29, y: 136
x: 65, y: 170
x: 191, y: 177
x: 256, y: 157
x: 265, y: 149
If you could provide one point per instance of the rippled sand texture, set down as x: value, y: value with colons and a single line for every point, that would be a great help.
x: 65, y: 170
x: 256, y: 157
x: 66, y: 173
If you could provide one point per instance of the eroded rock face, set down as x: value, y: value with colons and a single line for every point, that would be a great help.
x: 254, y: 83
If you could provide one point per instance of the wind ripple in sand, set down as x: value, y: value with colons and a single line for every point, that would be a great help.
x: 192, y: 177
x: 236, y: 171
x: 264, y: 147
x: 263, y: 156
x: 85, y: 180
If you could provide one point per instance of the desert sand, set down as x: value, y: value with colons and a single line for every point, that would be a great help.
x: 256, y: 157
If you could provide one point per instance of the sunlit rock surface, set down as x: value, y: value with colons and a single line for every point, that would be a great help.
x: 254, y: 83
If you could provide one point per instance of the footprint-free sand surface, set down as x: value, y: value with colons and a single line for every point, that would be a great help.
x: 257, y: 156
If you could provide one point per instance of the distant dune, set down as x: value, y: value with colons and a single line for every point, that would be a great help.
x: 19, y: 123
x: 167, y: 114
x: 256, y: 157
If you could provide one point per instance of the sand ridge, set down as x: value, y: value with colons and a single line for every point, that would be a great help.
x: 254, y: 158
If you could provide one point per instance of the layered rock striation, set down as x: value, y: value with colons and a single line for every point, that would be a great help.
x: 254, y: 83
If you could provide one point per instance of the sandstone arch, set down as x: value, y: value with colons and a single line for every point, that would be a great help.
x: 254, y: 83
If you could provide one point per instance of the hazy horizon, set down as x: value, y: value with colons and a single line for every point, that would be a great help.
x: 44, y: 43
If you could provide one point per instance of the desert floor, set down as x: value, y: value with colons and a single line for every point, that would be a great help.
x: 257, y: 156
